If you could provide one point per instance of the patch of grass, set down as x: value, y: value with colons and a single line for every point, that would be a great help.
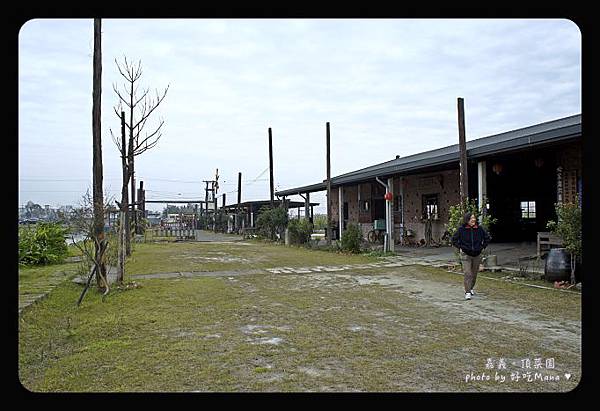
x: 321, y: 332
x: 34, y: 279
x: 204, y: 256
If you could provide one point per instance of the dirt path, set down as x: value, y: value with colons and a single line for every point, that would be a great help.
x: 484, y: 306
x: 447, y: 297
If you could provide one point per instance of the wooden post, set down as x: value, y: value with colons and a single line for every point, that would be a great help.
x: 239, y: 201
x: 140, y: 206
x: 328, y: 160
x: 224, y: 194
x: 340, y: 211
x: 271, y: 165
x: 306, y: 207
x: 205, y: 220
x: 462, y: 145
x: 214, y: 208
x: 390, y: 214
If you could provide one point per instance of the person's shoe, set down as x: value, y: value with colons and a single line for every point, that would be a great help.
x: 467, y: 296
x: 472, y: 292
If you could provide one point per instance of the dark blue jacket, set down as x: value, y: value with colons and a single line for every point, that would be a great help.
x: 472, y: 240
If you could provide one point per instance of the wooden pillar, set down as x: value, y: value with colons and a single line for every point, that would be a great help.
x: 481, y: 188
x: 306, y: 207
x: 390, y: 214
x: 328, y: 160
x: 271, y: 165
x: 341, y: 210
x: 462, y: 145
x: 239, y: 201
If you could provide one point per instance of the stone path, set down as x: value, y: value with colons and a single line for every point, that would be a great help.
x: 388, y: 262
x: 42, y: 291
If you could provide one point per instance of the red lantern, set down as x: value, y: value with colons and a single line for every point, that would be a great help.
x: 388, y: 196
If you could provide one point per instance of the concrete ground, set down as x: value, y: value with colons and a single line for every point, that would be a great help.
x: 509, y: 255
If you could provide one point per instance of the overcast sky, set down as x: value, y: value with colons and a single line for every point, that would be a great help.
x: 387, y: 86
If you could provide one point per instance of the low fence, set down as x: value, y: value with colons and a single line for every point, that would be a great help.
x: 178, y: 233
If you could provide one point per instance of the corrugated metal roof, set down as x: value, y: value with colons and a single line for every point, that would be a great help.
x: 540, y: 134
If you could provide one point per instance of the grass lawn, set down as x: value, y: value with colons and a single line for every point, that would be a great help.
x: 397, y: 329
x: 149, y: 258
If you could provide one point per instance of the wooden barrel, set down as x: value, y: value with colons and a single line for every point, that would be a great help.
x: 558, y: 265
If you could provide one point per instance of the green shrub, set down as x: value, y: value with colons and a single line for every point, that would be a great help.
x: 456, y: 215
x: 320, y: 221
x: 42, y: 244
x: 300, y: 231
x: 351, y: 239
x: 568, y: 228
x: 271, y: 221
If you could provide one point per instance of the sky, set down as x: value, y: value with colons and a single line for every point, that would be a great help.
x: 387, y: 86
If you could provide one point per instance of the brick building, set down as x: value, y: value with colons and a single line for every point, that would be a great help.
x: 522, y: 173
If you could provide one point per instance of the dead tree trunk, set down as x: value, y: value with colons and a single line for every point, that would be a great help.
x: 123, y: 226
x: 131, y: 174
x: 129, y: 213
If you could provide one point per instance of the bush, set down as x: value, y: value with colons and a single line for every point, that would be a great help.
x: 271, y: 221
x: 351, y: 239
x: 300, y: 231
x: 568, y: 227
x: 320, y: 221
x: 42, y: 244
x: 457, y: 212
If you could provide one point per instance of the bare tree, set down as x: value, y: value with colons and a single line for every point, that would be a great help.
x: 140, y: 106
x: 98, y: 231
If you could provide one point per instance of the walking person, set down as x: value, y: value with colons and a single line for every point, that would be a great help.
x: 471, y: 239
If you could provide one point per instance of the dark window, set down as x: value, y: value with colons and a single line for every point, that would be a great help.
x: 430, y: 206
x: 345, y: 211
x: 364, y: 206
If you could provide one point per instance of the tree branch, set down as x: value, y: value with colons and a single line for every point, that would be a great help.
x: 153, y: 107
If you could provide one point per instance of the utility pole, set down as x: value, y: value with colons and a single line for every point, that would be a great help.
x: 271, y: 165
x: 213, y: 199
x: 97, y: 173
x: 328, y: 232
x: 462, y: 145
x: 206, y: 196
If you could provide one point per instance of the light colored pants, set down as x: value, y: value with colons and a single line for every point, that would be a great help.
x: 470, y: 268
